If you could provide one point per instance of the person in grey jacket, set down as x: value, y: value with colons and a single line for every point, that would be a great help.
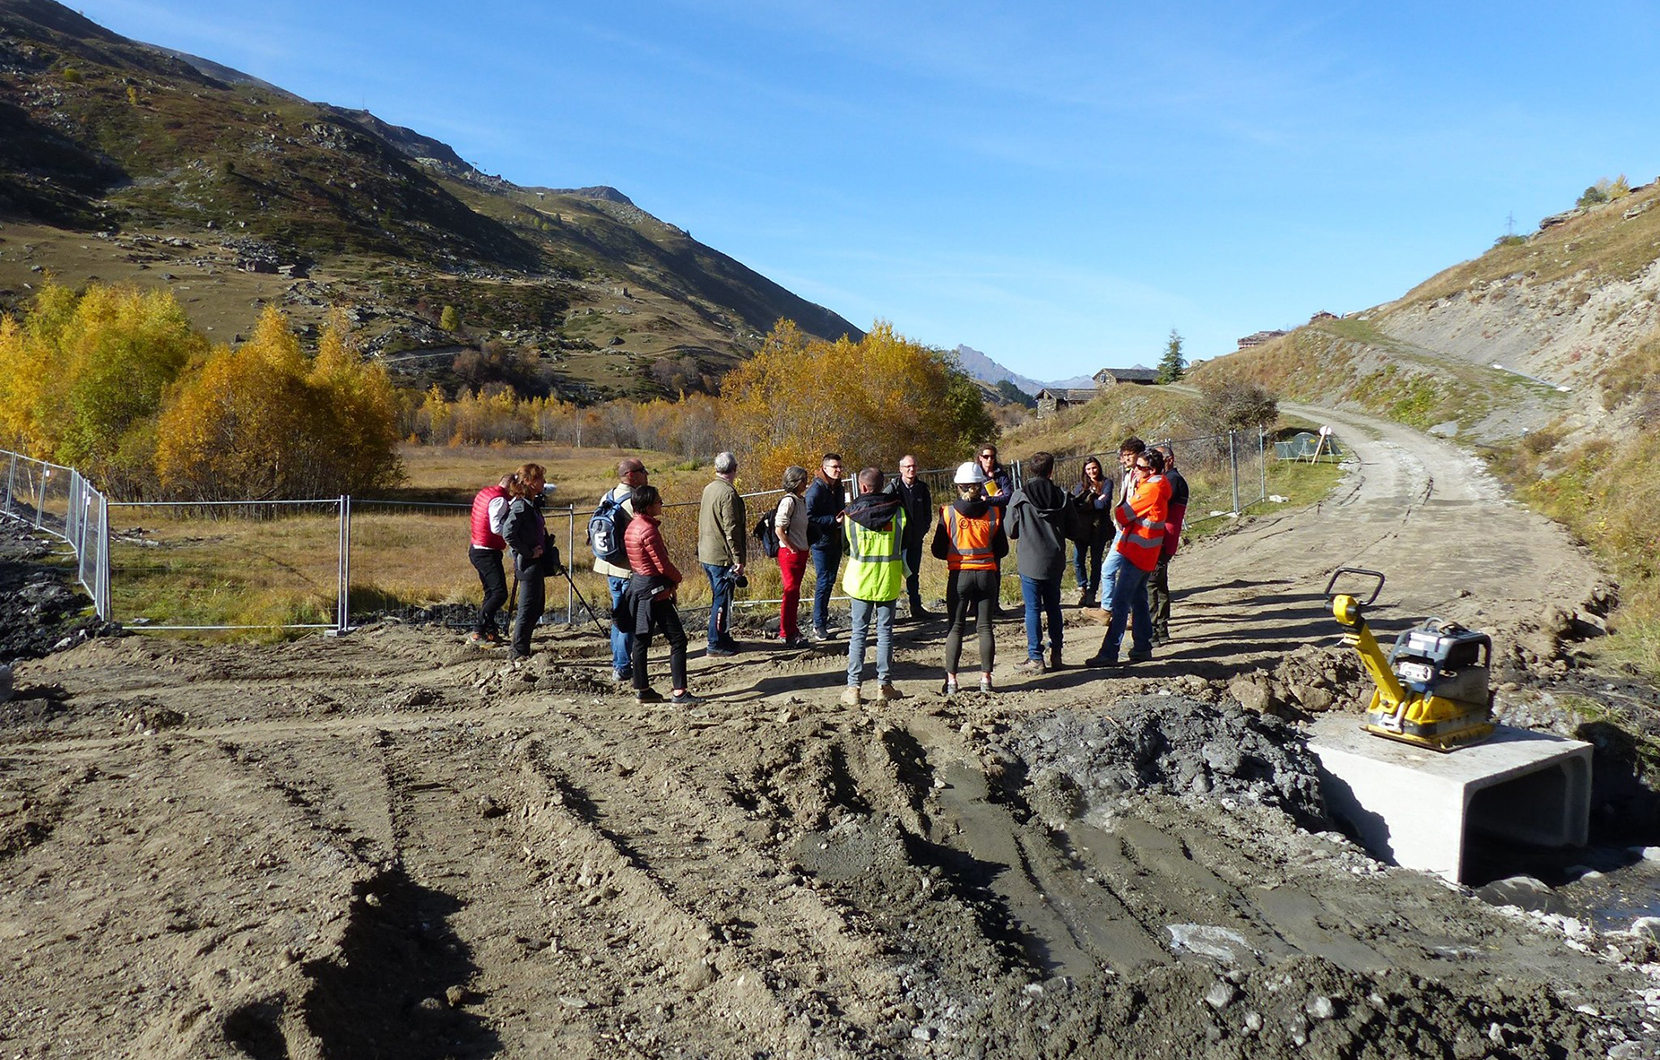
x: 721, y: 537
x: 1041, y: 519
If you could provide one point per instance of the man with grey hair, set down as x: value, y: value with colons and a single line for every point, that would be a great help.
x: 720, y: 548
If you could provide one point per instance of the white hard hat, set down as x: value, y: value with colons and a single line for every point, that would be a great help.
x: 969, y: 474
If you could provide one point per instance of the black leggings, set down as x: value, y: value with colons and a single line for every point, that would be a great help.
x: 663, y: 617
x: 966, y: 588
x: 487, y: 561
x: 532, y: 597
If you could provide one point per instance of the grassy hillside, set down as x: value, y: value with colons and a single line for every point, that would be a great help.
x: 119, y: 161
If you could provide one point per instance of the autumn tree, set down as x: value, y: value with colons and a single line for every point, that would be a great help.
x: 265, y: 422
x: 873, y: 400
x: 83, y: 375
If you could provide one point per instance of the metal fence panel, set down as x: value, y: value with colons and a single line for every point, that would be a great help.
x: 226, y: 565
x: 58, y: 501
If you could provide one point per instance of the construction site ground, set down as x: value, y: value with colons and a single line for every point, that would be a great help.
x: 391, y: 844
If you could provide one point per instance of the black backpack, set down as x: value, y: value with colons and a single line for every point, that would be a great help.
x: 767, y: 534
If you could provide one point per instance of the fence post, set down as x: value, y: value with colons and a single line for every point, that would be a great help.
x: 40, y: 495
x: 1262, y: 463
x: 570, y: 557
x: 101, y: 575
x: 11, y: 477
x: 1233, y: 462
x: 343, y: 568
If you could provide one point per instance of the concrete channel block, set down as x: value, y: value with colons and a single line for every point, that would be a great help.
x: 1416, y: 807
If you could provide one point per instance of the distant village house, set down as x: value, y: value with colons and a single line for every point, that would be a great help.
x: 1258, y: 338
x: 1051, y: 400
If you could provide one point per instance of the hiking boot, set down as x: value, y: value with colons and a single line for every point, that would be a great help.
x: 1032, y: 667
x: 850, y: 696
x: 1055, y: 660
x: 715, y: 651
x: 1101, y: 660
x: 1087, y: 600
x: 647, y: 695
x: 950, y: 687
x: 985, y: 684
x: 922, y: 614
x: 684, y: 698
x: 797, y: 641
x: 887, y: 693
x: 1141, y: 656
x: 481, y: 640
x: 819, y: 635
x: 622, y: 677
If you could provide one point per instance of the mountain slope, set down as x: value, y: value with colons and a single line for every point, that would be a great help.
x: 141, y: 147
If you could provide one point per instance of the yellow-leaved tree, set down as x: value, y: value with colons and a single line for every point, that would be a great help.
x: 82, y: 377
x: 873, y: 401
x: 264, y: 422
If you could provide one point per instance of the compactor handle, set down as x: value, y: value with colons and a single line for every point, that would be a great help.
x: 1376, y: 589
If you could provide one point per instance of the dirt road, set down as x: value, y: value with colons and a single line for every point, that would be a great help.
x: 389, y: 845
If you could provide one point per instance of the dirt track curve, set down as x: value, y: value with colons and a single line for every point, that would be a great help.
x: 390, y: 845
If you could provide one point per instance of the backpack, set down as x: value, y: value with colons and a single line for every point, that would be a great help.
x: 767, y: 534
x: 605, y: 531
x: 1080, y: 521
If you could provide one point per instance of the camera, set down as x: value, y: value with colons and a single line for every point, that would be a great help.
x: 739, y: 581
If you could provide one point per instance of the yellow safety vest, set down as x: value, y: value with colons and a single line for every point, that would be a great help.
x: 875, y: 560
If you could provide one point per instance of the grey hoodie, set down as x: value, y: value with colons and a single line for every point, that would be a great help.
x: 1037, y: 523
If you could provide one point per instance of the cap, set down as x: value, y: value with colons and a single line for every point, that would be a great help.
x: 628, y: 465
x: 969, y: 474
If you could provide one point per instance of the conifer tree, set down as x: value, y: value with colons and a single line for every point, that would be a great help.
x: 1173, y: 365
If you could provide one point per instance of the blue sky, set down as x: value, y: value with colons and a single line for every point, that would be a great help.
x: 1056, y: 184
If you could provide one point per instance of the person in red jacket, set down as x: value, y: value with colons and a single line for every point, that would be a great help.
x: 1158, y: 584
x: 489, y: 509
x: 1141, y: 521
x: 648, y: 602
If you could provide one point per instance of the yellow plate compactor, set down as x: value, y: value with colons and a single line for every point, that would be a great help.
x: 1432, y: 687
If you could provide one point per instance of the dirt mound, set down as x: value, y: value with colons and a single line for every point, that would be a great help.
x: 1078, y: 763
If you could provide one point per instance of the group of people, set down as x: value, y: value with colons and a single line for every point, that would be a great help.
x: 1121, y: 556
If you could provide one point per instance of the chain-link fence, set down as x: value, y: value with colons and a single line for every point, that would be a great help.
x: 57, y: 500
x: 327, y: 563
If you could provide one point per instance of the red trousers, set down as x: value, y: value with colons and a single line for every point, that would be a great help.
x: 792, y: 567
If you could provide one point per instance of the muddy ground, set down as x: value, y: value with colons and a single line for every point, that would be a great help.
x: 390, y: 844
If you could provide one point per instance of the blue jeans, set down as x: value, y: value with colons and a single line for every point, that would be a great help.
x: 1043, y: 597
x: 1129, y: 601
x: 622, y: 642
x: 1086, y: 564
x: 862, y: 609
x: 825, y: 562
x: 720, y: 602
x: 1115, y: 563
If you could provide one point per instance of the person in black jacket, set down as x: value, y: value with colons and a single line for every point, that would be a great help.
x: 1042, y: 520
x: 534, y: 554
x: 1093, y: 496
x: 826, y: 500
x: 918, y: 503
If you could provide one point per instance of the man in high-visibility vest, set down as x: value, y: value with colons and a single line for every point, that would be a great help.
x: 873, y: 528
x: 1141, y: 521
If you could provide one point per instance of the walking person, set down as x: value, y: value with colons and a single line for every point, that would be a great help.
x: 874, y: 529
x: 648, y: 603
x: 970, y: 539
x: 534, y: 555
x: 1141, y: 519
x: 918, y: 503
x: 1093, y: 497
x: 485, y: 553
x: 721, y: 548
x: 1041, y: 521
x: 790, y: 521
x: 826, y: 501
x: 1158, y: 585
x: 619, y: 503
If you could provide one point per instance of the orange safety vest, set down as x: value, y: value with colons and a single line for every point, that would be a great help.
x: 969, y: 540
x: 1142, y: 515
